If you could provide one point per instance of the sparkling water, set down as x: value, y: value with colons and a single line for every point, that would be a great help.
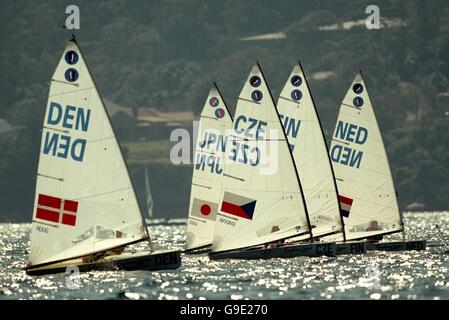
x: 375, y: 275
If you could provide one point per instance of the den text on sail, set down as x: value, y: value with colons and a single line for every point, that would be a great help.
x: 59, y: 143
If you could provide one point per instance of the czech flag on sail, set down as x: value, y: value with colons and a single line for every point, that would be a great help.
x: 345, y: 205
x: 204, y: 209
x: 56, y: 210
x: 238, y: 206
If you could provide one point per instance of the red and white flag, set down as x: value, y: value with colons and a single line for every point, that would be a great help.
x: 204, y: 209
x: 56, y: 210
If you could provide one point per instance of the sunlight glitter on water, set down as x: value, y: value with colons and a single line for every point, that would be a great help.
x: 375, y: 275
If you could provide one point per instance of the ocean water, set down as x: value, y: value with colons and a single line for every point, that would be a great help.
x: 375, y: 275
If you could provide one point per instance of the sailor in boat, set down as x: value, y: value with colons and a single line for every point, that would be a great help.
x: 277, y: 243
x: 374, y: 226
x: 101, y: 255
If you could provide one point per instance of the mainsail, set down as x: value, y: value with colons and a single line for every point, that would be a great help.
x: 261, y: 197
x: 308, y: 145
x: 366, y: 190
x: 85, y: 201
x: 210, y: 148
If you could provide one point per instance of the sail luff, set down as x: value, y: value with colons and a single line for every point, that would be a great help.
x: 327, y: 148
x: 308, y: 148
x: 291, y: 156
x: 144, y: 224
x: 388, y: 161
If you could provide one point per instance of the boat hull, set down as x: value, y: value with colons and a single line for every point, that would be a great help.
x: 285, y: 251
x: 352, y: 248
x: 197, y: 251
x: 398, y: 245
x: 154, y: 261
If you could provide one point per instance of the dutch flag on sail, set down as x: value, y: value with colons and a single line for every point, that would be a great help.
x: 345, y: 205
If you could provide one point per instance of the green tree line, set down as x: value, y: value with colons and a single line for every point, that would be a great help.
x: 166, y: 53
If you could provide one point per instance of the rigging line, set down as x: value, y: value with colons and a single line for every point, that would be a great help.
x: 102, y: 194
x: 69, y: 92
x: 205, y: 151
x: 232, y: 177
x: 247, y: 100
x: 200, y: 185
x: 350, y: 106
x: 358, y: 118
x: 364, y: 184
x: 65, y: 82
x: 47, y: 224
x: 290, y: 100
x: 59, y: 130
x: 346, y: 143
x: 207, y: 117
x: 50, y: 177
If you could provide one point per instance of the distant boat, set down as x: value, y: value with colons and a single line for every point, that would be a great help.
x: 85, y: 210
x: 367, y: 194
x: 209, y: 154
x: 261, y: 202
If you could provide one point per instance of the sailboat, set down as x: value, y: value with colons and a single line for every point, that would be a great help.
x: 308, y: 146
x: 148, y: 196
x: 367, y: 193
x: 215, y: 120
x: 85, y: 209
x: 261, y: 199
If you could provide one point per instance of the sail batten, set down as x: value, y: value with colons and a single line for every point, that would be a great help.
x: 366, y: 189
x: 92, y: 203
x: 261, y: 197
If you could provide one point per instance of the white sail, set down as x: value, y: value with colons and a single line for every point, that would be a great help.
x: 365, y: 185
x: 261, y: 197
x: 308, y: 145
x: 148, y: 196
x: 85, y: 201
x: 210, y: 148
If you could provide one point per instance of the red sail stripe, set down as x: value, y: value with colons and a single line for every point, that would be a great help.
x: 48, y: 215
x: 234, y: 210
x: 71, y: 206
x: 345, y: 200
x: 69, y: 219
x: 49, y: 201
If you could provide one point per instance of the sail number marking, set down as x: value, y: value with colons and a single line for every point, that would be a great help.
x: 250, y: 128
x: 63, y: 145
x: 344, y: 154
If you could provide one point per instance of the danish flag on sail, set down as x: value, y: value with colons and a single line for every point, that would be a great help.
x: 56, y: 210
x: 345, y: 204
